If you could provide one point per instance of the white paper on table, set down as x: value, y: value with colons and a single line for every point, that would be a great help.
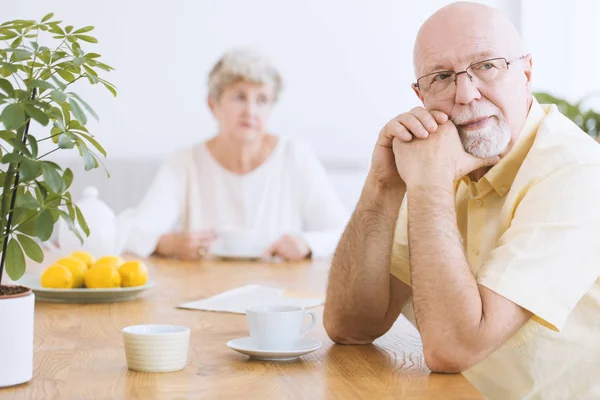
x: 238, y: 299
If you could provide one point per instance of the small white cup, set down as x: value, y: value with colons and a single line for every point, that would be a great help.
x: 240, y: 241
x: 275, y: 327
x: 156, y: 348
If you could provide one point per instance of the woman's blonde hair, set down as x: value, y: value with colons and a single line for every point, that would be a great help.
x: 242, y: 65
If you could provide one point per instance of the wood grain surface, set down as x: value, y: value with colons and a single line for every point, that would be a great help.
x: 79, y: 350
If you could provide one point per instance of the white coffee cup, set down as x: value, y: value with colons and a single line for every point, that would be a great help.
x: 274, y: 327
x: 240, y: 241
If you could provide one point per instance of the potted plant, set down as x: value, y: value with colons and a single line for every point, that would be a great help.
x: 37, y: 90
x: 587, y: 119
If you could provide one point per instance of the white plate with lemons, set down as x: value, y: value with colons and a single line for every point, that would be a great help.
x: 83, y: 295
x: 106, y: 280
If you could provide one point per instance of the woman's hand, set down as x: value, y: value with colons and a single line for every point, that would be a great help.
x: 186, y: 245
x: 290, y: 248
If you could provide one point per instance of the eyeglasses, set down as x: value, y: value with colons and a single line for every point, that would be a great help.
x: 442, y: 84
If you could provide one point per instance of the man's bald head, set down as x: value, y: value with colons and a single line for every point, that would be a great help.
x: 461, y: 26
x: 490, y: 103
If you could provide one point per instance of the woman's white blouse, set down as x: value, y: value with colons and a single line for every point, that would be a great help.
x: 288, y: 194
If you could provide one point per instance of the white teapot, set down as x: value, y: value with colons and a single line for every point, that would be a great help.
x: 101, y: 221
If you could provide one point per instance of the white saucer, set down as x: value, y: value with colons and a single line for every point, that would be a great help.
x: 221, y: 253
x: 246, y: 346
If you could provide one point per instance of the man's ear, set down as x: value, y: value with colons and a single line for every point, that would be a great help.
x: 415, y: 88
x: 528, y: 69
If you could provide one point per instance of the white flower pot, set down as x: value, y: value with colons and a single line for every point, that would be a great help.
x: 16, y: 339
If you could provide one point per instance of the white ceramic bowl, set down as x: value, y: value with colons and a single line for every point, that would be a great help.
x: 156, y: 348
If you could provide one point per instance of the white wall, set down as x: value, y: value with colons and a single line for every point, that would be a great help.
x: 347, y: 65
x: 564, y: 39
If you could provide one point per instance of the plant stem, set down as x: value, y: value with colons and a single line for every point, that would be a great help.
x: 50, y: 152
x: 13, y: 199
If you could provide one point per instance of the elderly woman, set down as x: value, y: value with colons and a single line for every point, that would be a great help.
x: 242, y: 177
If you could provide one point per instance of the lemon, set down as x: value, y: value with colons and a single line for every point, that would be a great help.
x: 57, y: 276
x: 102, y: 276
x: 77, y: 267
x: 133, y: 273
x: 85, y: 257
x: 112, y: 261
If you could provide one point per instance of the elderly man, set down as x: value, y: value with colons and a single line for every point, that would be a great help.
x: 493, y: 254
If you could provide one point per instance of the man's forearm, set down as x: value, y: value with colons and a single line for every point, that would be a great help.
x: 446, y: 297
x: 358, y: 294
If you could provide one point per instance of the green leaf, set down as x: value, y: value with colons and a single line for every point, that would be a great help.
x: 13, y: 158
x: 36, y: 83
x: 68, y: 179
x: 94, y: 143
x: 89, y: 160
x: 110, y: 88
x: 8, y: 136
x: 16, y: 42
x: 58, y: 96
x: 34, y: 145
x: 44, y: 225
x: 66, y: 111
x: 76, y: 125
x: 37, y: 114
x: 32, y: 249
x: 52, y: 178
x: 71, y: 224
x: 66, y: 75
x: 70, y: 206
x: 20, y: 147
x: 90, y: 71
x: 53, y: 165
x: 78, y: 112
x: 7, y: 87
x: 13, y: 116
x: 92, y: 79
x: 5, y: 71
x: 47, y: 17
x: 89, y: 109
x: 47, y: 73
x: 92, y: 55
x: 81, y: 221
x: 27, y: 201
x: 40, y: 192
x: 8, y: 34
x: 65, y: 142
x: 69, y: 28
x: 103, y: 66
x: 21, y: 55
x: 84, y: 29
x: 86, y: 38
x: 15, y: 260
x: 29, y: 170
x: 77, y: 49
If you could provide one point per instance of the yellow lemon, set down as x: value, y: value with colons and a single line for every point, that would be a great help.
x: 133, y: 273
x: 112, y: 261
x: 77, y: 267
x: 102, y: 276
x: 85, y: 257
x: 57, y: 276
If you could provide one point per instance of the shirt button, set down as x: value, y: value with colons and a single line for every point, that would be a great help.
x: 478, y: 203
x: 503, y: 189
x: 476, y: 252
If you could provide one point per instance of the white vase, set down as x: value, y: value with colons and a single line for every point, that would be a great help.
x: 16, y: 339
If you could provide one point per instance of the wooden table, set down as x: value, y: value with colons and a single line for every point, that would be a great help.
x: 79, y: 348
